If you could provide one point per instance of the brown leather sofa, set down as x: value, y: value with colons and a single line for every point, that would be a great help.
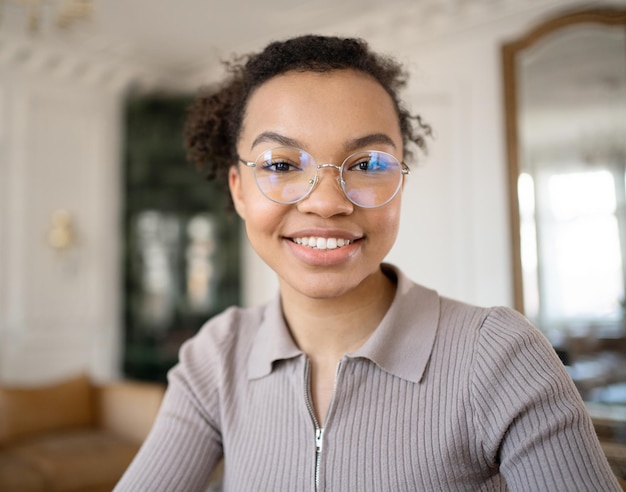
x: 72, y: 436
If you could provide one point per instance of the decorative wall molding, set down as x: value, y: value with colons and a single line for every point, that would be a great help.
x: 59, y: 149
x: 390, y: 27
x: 433, y: 20
x: 98, y: 58
x: 66, y: 65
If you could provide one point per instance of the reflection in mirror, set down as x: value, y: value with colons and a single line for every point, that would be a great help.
x: 572, y: 130
x: 565, y: 95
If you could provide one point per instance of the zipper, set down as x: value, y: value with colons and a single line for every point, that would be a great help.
x: 319, y: 442
x: 319, y: 431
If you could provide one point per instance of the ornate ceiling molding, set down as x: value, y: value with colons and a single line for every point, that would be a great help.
x: 434, y: 19
x: 92, y: 58
x: 21, y: 56
x: 400, y: 29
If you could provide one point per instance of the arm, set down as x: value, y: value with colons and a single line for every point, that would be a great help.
x: 532, y: 418
x: 184, y: 446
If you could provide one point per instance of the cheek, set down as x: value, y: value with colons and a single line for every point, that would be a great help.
x: 390, y: 215
x: 263, y: 217
x: 392, y: 227
x: 245, y: 193
x: 263, y: 230
x: 388, y: 224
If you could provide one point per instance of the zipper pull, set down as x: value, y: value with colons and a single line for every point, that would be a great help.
x: 319, y: 436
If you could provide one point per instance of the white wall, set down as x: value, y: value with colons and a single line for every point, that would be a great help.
x: 59, y: 149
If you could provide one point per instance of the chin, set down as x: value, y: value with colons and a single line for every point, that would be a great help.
x: 323, y: 285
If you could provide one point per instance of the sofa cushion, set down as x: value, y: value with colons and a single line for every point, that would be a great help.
x: 129, y: 408
x: 17, y: 475
x: 26, y: 412
x: 77, y: 460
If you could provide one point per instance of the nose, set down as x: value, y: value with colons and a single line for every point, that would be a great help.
x: 327, y: 197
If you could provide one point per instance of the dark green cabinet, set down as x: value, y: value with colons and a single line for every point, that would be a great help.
x: 181, y: 240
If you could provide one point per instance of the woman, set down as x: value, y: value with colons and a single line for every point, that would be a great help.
x: 355, y: 378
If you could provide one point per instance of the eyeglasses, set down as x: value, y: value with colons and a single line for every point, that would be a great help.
x: 288, y: 175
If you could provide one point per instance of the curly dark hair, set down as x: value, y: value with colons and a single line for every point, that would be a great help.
x: 215, y: 117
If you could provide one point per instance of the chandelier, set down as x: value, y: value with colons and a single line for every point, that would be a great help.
x: 34, y: 16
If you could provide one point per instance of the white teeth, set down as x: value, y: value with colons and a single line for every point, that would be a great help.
x: 321, y: 242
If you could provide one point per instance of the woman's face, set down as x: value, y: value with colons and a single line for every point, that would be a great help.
x: 330, y: 115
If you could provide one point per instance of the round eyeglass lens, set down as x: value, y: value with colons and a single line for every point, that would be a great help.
x: 371, y: 179
x: 285, y: 174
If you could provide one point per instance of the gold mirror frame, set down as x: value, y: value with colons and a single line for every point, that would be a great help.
x: 510, y: 51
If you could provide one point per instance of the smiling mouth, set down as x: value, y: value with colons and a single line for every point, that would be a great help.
x: 321, y: 242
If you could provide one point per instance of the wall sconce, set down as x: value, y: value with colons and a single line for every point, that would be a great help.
x: 62, y: 234
x: 62, y: 14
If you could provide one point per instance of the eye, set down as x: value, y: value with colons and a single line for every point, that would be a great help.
x: 369, y: 163
x: 280, y: 166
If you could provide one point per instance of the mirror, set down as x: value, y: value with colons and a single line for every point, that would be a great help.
x: 565, y: 101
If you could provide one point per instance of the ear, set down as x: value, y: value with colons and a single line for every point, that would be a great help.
x: 236, y: 192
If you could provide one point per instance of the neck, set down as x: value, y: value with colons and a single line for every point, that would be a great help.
x: 329, y: 328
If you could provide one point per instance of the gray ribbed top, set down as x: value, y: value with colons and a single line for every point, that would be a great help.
x: 443, y: 396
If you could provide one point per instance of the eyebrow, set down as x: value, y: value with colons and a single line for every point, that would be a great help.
x: 278, y: 138
x: 367, y: 140
x: 351, y: 145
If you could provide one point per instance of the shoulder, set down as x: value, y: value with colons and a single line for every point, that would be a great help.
x: 221, y: 345
x: 231, y: 325
x: 223, y: 333
x: 505, y: 327
x: 489, y: 323
x: 510, y: 350
x: 452, y: 322
x: 492, y: 337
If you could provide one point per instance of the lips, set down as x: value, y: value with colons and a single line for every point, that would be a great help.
x: 321, y: 243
